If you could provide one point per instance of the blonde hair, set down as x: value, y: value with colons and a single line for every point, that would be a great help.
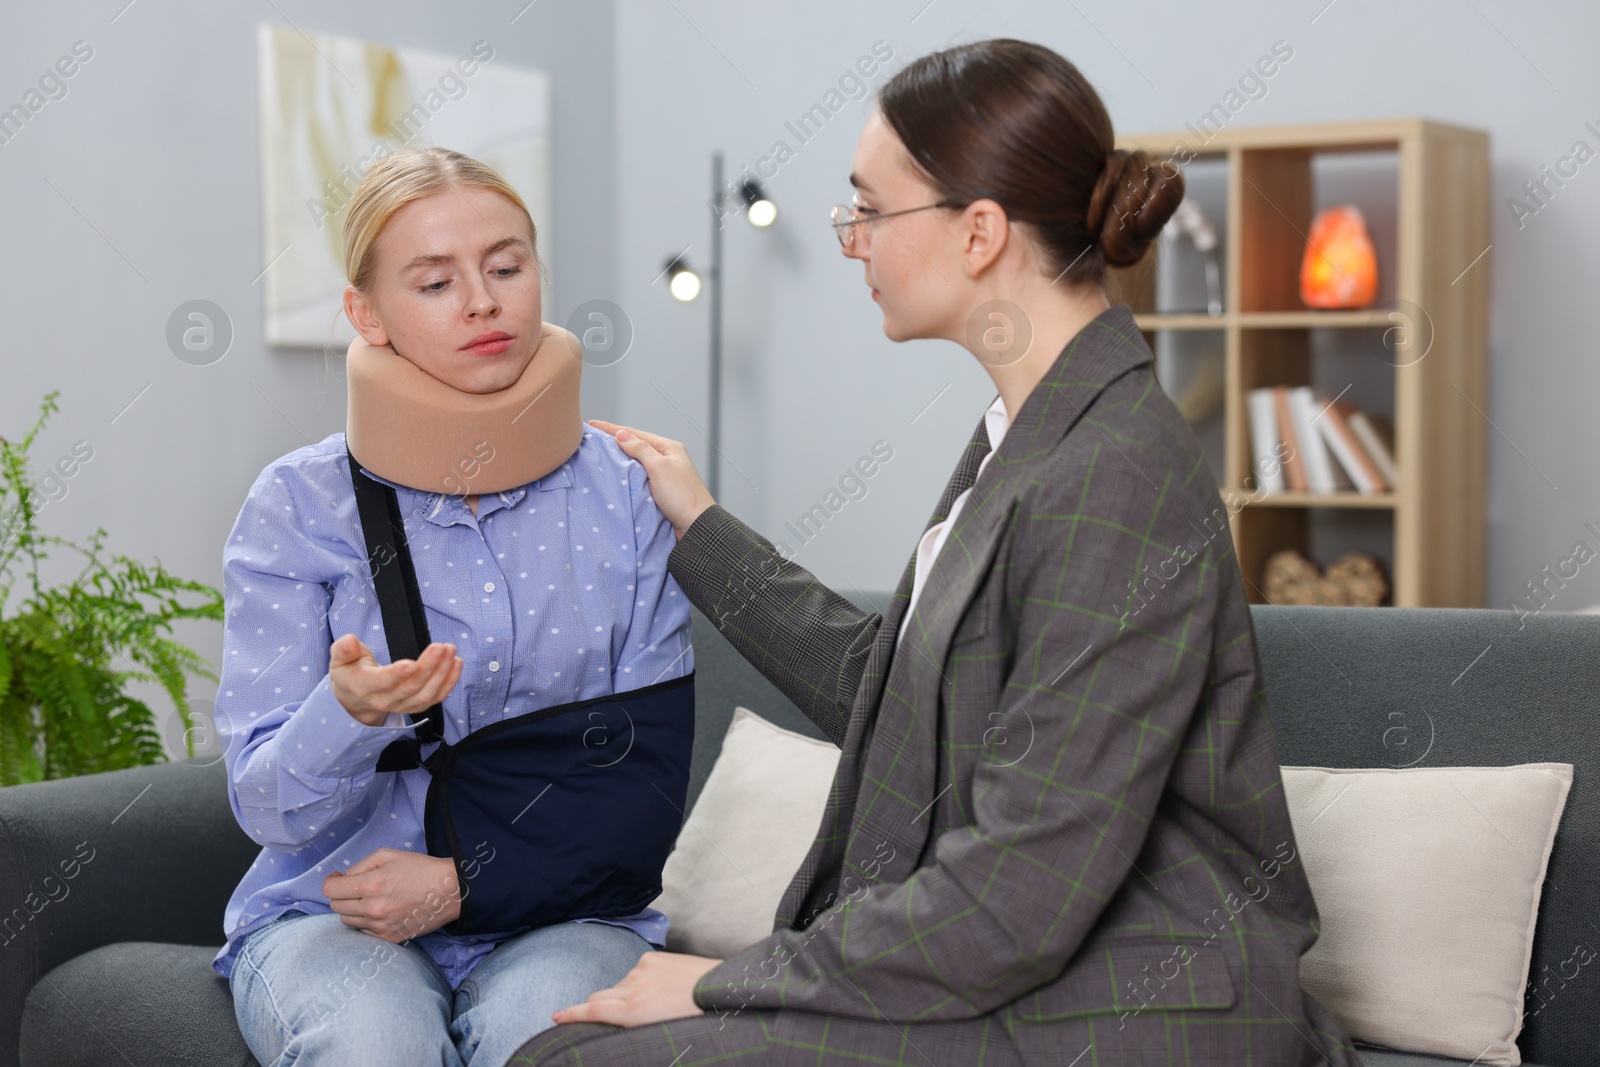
x: 401, y: 177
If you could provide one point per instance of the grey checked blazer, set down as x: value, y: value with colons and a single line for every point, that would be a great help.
x: 1058, y: 820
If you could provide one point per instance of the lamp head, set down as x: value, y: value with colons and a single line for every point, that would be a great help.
x: 760, y: 210
x: 682, y: 281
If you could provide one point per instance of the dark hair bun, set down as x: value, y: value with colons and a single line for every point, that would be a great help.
x: 1017, y: 123
x: 1131, y: 202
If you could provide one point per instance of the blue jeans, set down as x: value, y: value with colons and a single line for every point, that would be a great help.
x: 309, y: 990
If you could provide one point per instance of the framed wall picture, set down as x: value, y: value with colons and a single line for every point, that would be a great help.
x: 330, y: 107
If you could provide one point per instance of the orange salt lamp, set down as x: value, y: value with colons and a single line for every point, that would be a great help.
x: 1340, y: 269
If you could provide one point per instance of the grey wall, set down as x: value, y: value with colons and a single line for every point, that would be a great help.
x: 811, y: 381
x: 141, y: 189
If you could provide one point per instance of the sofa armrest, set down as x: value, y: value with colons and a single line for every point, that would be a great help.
x: 147, y: 854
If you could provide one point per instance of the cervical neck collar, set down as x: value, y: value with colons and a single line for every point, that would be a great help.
x: 405, y: 425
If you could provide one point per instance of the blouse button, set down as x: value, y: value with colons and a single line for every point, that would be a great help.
x: 488, y: 587
x: 494, y: 665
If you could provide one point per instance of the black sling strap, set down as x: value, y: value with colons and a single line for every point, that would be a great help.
x: 400, y: 600
x: 596, y: 846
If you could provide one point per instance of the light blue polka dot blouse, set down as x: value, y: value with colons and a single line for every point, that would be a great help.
x: 556, y: 591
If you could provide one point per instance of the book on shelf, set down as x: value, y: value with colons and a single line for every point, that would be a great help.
x: 1321, y: 471
x: 1294, y: 468
x: 1377, y: 437
x: 1263, y: 438
x: 1302, y: 441
x: 1368, y: 477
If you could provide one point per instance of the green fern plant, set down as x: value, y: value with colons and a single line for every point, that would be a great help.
x: 63, y: 709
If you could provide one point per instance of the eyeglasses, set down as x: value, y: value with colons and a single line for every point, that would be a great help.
x: 848, y: 219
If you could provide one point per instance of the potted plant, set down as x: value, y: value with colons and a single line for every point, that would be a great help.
x: 63, y: 709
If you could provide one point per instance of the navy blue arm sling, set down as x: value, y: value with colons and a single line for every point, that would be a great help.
x: 561, y: 813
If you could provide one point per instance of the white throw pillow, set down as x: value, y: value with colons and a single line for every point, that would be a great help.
x: 745, y: 837
x: 1427, y: 882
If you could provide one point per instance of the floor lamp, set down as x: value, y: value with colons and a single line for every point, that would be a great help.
x: 684, y: 284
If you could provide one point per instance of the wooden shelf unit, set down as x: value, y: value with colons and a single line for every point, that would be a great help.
x: 1432, y: 317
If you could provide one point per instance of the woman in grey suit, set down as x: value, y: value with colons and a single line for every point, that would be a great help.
x: 1057, y: 833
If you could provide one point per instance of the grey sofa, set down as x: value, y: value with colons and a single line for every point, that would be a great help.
x: 112, y: 965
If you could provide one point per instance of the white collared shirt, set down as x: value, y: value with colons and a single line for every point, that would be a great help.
x: 995, y: 422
